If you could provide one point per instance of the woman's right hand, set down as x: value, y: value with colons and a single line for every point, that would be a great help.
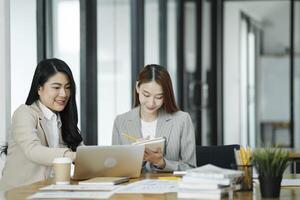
x: 70, y: 154
x: 155, y: 157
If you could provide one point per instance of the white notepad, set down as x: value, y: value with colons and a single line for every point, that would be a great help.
x: 153, y: 144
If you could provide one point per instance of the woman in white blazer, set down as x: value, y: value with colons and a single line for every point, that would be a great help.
x: 156, y: 114
x: 44, y: 128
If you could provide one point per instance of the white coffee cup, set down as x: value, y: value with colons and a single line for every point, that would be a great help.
x: 62, y: 170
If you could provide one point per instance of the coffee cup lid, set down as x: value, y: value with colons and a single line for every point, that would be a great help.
x: 62, y: 160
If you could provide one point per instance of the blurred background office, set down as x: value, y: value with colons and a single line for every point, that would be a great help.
x: 234, y: 63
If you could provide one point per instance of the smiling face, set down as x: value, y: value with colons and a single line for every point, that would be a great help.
x: 150, y: 97
x: 55, y: 93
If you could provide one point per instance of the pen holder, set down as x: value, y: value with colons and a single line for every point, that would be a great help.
x: 247, y: 181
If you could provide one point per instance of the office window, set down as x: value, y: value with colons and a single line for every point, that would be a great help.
x: 66, y: 38
x: 151, y: 32
x: 296, y: 75
x: 257, y: 73
x: 114, y: 64
x: 171, y: 42
x: 206, y: 132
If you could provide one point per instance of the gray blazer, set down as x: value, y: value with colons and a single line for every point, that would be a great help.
x: 29, y: 158
x: 177, y: 128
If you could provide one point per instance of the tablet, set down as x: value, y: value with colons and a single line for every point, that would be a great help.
x: 108, y: 161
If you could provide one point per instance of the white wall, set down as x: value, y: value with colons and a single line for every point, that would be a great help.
x: 23, y: 49
x: 4, y: 73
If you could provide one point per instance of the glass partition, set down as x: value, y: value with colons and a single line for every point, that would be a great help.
x: 114, y: 64
x: 151, y: 33
x: 257, y: 78
x: 66, y: 38
x: 296, y: 75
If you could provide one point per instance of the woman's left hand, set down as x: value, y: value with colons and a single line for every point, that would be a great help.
x: 155, y: 157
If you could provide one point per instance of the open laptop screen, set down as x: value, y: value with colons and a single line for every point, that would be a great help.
x: 113, y: 161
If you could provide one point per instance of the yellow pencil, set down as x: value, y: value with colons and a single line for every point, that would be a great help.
x: 129, y: 137
x: 243, y: 155
x: 174, y: 178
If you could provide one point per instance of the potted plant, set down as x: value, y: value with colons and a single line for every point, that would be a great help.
x: 270, y: 164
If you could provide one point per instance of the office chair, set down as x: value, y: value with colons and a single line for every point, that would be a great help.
x: 221, y: 156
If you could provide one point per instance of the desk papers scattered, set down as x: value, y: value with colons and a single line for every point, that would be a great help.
x: 150, y: 186
x: 80, y: 187
x: 73, y: 195
x: 290, y: 182
x: 75, y: 192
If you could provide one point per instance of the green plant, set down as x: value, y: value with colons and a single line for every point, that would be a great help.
x: 270, y: 161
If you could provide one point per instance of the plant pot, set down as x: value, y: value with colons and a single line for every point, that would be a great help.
x: 270, y: 186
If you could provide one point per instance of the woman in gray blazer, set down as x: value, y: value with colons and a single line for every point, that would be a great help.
x: 156, y: 114
x: 44, y: 128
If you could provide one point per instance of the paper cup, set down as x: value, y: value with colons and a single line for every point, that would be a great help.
x: 62, y: 169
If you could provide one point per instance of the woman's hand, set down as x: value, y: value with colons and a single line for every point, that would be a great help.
x: 69, y: 153
x: 155, y: 157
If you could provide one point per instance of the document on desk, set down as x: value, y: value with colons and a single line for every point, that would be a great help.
x: 150, y: 186
x: 290, y: 182
x: 73, y: 195
x: 80, y: 187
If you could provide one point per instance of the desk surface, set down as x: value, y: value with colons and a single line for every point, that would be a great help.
x: 295, y: 155
x: 288, y: 193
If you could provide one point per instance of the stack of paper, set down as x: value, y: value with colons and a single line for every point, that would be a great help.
x: 149, y: 186
x: 153, y: 144
x: 208, y: 182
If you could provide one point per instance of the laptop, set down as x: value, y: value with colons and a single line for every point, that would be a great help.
x: 108, y: 161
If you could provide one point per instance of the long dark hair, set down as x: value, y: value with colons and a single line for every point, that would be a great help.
x: 69, y: 116
x: 161, y: 76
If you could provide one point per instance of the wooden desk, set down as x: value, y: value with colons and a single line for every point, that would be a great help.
x: 295, y: 155
x: 22, y: 193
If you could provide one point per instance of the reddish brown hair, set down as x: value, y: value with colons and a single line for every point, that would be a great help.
x: 161, y: 76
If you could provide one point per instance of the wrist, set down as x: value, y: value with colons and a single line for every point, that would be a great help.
x: 70, y: 154
x: 161, y: 164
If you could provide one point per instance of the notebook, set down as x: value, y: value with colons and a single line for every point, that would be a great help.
x: 104, y: 181
x: 153, y: 144
x: 108, y: 161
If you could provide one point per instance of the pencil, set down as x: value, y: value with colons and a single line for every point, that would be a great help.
x: 129, y: 137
